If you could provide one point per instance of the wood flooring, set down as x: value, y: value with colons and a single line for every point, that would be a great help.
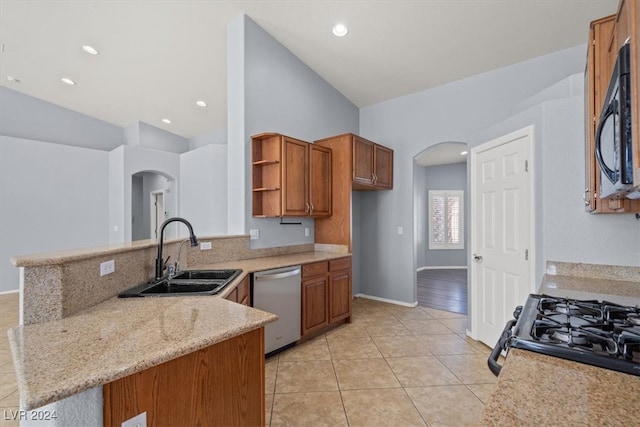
x: 444, y: 289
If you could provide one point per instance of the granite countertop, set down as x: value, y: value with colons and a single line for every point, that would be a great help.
x: 122, y: 336
x: 535, y: 389
x: 538, y: 390
x: 117, y: 338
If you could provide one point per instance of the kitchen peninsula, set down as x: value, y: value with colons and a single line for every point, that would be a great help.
x: 73, y: 340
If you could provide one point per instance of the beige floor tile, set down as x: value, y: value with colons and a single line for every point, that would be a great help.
x: 270, y: 373
x: 382, y: 407
x: 374, y: 319
x: 308, y: 409
x: 305, y: 376
x: 401, y: 346
x: 439, y: 314
x: 479, y: 345
x: 421, y: 371
x: 364, y: 374
x: 482, y: 391
x: 10, y: 401
x: 447, y: 344
x: 268, y: 407
x: 426, y: 327
x: 5, y: 356
x: 8, y: 384
x: 316, y: 349
x: 469, y: 368
x: 348, y: 330
x: 411, y: 313
x: 352, y: 348
x: 387, y: 330
x: 459, y: 326
x: 447, y: 405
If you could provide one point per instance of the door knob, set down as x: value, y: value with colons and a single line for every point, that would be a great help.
x: 477, y: 258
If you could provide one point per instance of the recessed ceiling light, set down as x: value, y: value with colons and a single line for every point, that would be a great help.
x: 13, y: 79
x: 90, y: 50
x: 68, y: 81
x: 464, y: 153
x: 201, y: 103
x: 167, y: 121
x: 340, y: 30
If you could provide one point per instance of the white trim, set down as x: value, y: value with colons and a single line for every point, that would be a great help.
x: 443, y: 267
x: 9, y: 292
x: 390, y: 301
x: 529, y: 132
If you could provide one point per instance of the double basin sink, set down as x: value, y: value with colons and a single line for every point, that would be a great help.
x: 188, y: 282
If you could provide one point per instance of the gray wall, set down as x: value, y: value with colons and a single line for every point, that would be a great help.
x: 281, y: 94
x: 24, y: 116
x: 53, y: 197
x: 440, y: 177
x: 409, y: 124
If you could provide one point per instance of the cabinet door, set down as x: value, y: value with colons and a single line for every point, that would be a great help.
x: 314, y: 304
x: 362, y: 161
x: 294, y: 177
x: 383, y: 171
x: 340, y: 295
x: 319, y: 180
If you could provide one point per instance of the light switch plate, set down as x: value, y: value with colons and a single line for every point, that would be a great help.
x: 400, y: 230
x: 255, y: 234
x: 139, y: 420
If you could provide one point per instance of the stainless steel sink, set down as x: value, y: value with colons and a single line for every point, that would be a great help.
x: 188, y: 282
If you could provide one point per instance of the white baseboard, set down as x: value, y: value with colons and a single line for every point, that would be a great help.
x: 9, y: 292
x: 390, y: 301
x: 446, y: 267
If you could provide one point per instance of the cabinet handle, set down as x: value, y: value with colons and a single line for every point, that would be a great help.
x: 375, y: 178
x: 311, y: 211
x: 306, y: 208
x: 585, y: 197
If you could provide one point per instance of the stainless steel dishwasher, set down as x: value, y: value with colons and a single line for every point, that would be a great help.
x: 278, y: 291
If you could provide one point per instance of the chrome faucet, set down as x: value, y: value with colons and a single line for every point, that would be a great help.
x: 160, y: 263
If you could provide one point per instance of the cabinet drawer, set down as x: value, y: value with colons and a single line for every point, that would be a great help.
x: 340, y: 264
x: 315, y: 269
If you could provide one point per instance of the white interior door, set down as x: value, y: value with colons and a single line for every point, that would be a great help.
x: 502, y: 233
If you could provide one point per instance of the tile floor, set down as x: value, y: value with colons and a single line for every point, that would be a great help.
x: 392, y: 366
x: 9, y: 400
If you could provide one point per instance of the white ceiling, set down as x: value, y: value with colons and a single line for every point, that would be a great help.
x: 158, y: 57
x: 443, y: 153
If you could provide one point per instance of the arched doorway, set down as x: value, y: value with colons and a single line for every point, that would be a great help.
x: 440, y: 240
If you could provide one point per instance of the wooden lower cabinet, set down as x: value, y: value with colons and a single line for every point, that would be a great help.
x: 241, y: 294
x: 326, y: 295
x: 340, y: 290
x: 221, y: 385
x: 315, y: 297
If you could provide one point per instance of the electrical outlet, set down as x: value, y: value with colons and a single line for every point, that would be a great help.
x: 139, y: 420
x: 306, y: 232
x: 255, y: 234
x: 204, y: 246
x: 107, y: 267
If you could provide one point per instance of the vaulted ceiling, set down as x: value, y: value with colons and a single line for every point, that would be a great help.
x: 157, y: 58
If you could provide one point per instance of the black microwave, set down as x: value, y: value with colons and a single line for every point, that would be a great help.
x: 613, y: 147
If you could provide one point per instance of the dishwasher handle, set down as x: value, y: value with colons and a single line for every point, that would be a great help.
x: 275, y: 276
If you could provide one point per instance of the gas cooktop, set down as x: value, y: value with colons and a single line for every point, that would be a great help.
x: 598, y: 333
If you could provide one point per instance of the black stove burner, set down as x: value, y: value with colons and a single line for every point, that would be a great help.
x: 603, y: 334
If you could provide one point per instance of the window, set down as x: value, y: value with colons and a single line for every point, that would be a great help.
x: 446, y: 219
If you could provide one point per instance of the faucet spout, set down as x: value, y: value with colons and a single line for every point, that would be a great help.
x: 160, y: 263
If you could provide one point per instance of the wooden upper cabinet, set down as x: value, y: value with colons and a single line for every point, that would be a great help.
x: 290, y: 177
x: 362, y: 161
x: 372, y: 165
x: 606, y: 36
x: 320, y: 180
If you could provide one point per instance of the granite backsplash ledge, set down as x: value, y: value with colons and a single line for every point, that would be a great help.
x: 594, y: 271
